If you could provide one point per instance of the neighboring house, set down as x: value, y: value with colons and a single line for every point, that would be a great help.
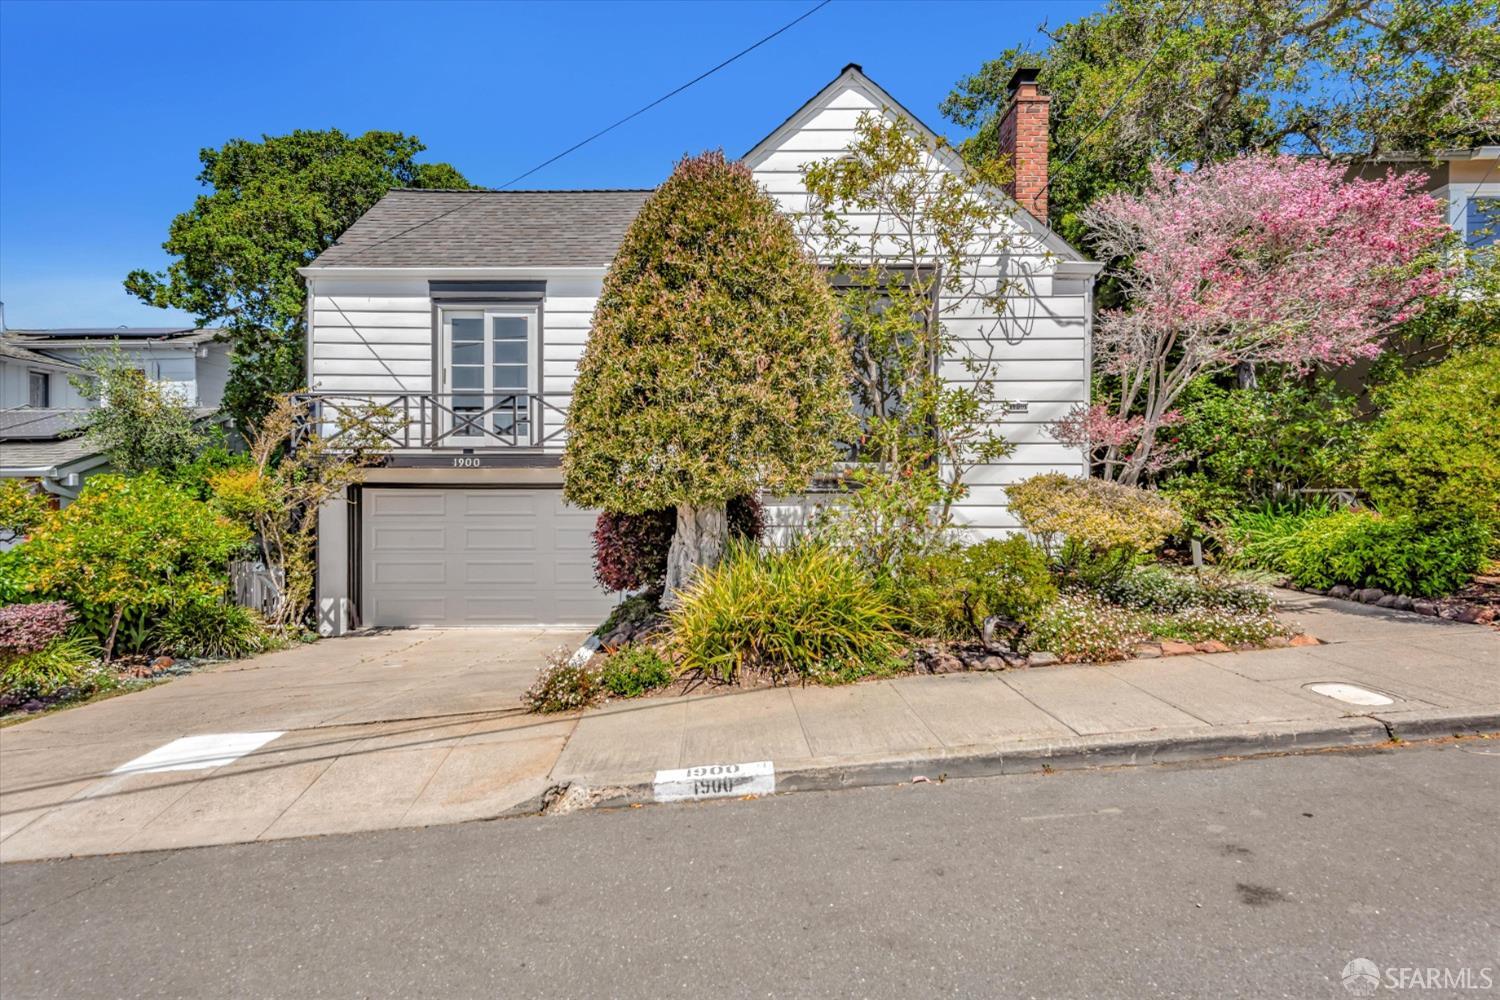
x: 41, y: 410
x: 467, y: 313
x: 1467, y: 180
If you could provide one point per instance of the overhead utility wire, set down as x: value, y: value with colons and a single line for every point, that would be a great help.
x: 579, y: 145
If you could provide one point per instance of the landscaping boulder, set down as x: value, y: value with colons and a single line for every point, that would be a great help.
x: 991, y: 663
x: 1473, y: 614
x: 1368, y: 595
x: 944, y: 663
x: 1211, y: 646
x: 1425, y: 607
x: 1171, y: 647
x: 1338, y: 590
x: 1277, y: 642
x: 1403, y: 603
x: 1147, y: 651
x: 1042, y: 659
x: 1388, y: 601
x: 1305, y: 640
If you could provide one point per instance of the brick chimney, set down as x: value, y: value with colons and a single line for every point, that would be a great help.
x: 1023, y: 140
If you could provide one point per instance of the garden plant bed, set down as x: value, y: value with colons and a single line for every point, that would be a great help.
x: 124, y: 675
x: 1476, y: 604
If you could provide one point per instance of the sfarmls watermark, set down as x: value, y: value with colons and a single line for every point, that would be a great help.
x: 1362, y: 978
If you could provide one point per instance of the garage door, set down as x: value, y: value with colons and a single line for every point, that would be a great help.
x: 477, y: 557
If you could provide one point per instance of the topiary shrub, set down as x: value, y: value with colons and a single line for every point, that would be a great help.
x: 949, y: 593
x: 716, y: 364
x: 807, y: 612
x: 1435, y: 450
x: 1095, y: 530
x: 216, y: 629
x: 633, y: 671
x: 630, y: 550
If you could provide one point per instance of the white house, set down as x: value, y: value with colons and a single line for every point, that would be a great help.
x: 467, y: 313
x: 41, y: 409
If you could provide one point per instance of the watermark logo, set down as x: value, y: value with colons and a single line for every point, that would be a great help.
x: 1361, y: 977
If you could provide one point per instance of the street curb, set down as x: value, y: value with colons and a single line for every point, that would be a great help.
x: 1078, y: 753
x: 1435, y: 725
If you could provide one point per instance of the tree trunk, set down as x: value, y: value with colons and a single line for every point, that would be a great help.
x: 1244, y: 375
x: 697, y: 542
x: 114, y: 627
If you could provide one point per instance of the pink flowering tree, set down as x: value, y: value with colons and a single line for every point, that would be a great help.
x: 1253, y: 260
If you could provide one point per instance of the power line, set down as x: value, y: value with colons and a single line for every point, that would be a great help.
x: 579, y: 145
x: 702, y: 76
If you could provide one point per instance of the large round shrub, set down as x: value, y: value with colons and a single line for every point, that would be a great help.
x: 1435, y: 450
x: 716, y: 365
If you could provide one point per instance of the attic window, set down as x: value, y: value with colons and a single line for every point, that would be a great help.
x: 39, y: 385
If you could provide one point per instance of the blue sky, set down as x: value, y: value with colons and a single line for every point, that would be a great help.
x: 103, y: 107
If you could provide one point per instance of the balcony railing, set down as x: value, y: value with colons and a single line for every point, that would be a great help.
x: 434, y: 421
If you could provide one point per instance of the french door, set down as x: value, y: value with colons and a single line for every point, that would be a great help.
x: 488, y: 373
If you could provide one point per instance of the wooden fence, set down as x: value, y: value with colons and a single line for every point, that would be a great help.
x: 257, y: 587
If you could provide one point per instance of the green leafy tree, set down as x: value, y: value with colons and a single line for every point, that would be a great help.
x: 131, y: 544
x: 926, y: 399
x: 272, y: 206
x: 1197, y: 81
x: 140, y: 424
x: 715, y: 367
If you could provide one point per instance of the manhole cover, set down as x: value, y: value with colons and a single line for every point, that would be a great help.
x: 1350, y: 693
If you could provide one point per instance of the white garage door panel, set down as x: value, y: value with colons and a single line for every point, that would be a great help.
x: 477, y: 557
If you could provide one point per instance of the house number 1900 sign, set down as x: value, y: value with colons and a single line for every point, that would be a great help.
x: 715, y: 781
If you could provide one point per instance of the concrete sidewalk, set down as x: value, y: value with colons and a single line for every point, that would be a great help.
x: 401, y: 728
x: 1442, y: 678
x: 420, y: 728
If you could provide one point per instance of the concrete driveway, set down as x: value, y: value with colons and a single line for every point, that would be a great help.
x: 401, y: 728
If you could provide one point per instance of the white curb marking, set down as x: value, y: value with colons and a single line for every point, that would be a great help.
x: 715, y: 781
x: 195, y: 753
x: 582, y: 653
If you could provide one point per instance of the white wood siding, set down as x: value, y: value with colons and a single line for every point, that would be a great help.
x: 1041, y: 346
x: 375, y: 334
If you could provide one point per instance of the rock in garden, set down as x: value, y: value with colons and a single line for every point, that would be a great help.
x: 1171, y: 647
x: 1425, y: 607
x: 1277, y: 642
x: 945, y: 663
x: 991, y: 663
x: 1368, y: 595
x: 1211, y: 646
x: 1338, y: 590
x: 1305, y: 640
x: 1315, y: 591
x: 162, y: 662
x: 1473, y: 614
x: 1388, y: 601
x: 1041, y: 659
x: 1016, y: 659
x: 1246, y: 647
x: 1147, y: 651
x: 1403, y: 603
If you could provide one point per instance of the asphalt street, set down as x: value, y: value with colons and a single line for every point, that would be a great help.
x: 1260, y: 878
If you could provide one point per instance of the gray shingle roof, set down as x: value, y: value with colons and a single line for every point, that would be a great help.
x: 28, y: 455
x: 25, y: 423
x: 487, y: 229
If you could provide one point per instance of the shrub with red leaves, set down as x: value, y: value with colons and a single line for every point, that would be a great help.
x: 630, y: 550
x: 27, y: 628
